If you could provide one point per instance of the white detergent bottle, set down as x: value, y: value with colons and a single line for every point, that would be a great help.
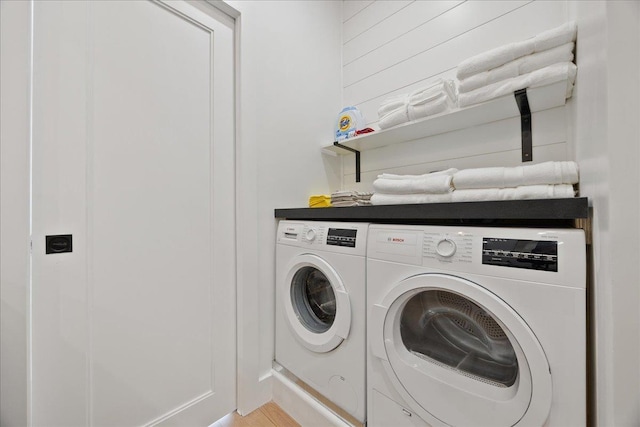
x: 349, y: 121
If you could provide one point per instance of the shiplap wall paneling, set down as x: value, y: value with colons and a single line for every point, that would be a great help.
x: 351, y: 7
x: 427, y: 39
x: 493, y: 144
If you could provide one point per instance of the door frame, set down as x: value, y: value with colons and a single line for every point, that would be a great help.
x: 15, y: 211
x: 15, y: 182
x: 253, y: 388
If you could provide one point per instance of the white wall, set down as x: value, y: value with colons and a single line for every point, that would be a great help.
x: 606, y: 127
x: 290, y: 96
x: 394, y: 47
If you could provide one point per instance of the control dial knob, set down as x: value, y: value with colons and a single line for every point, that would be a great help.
x: 310, y: 235
x: 446, y: 248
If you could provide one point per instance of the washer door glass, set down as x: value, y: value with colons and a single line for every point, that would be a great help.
x: 313, y: 299
x: 459, y: 355
x: 450, y: 329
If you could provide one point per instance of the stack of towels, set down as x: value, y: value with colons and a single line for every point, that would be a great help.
x: 437, y: 97
x: 390, y: 189
x: 538, y: 61
x: 549, y: 180
x: 350, y: 198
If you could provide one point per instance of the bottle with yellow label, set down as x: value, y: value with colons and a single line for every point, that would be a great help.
x: 349, y: 121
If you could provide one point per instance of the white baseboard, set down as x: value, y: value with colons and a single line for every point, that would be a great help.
x: 301, y: 406
x: 255, y: 395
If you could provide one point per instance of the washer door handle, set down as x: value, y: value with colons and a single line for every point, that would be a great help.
x: 343, y: 325
x: 376, y: 326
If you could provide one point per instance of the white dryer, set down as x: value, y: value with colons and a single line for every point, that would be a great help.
x: 321, y: 309
x: 476, y: 326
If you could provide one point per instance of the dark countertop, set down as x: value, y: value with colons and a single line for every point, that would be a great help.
x: 547, y: 212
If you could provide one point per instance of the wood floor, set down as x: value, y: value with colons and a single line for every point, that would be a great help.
x: 269, y: 415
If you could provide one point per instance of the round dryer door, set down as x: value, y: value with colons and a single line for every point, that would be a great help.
x: 317, y: 306
x: 459, y: 355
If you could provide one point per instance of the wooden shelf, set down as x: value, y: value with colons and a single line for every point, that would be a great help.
x: 540, y: 98
x: 547, y: 212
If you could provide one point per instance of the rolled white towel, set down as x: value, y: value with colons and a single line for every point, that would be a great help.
x: 441, y: 104
x: 545, y: 76
x: 504, y: 177
x: 394, y: 118
x: 409, y: 199
x: 449, y: 171
x: 560, y: 191
x: 391, y: 104
x: 436, y: 184
x: 520, y: 66
x: 501, y: 55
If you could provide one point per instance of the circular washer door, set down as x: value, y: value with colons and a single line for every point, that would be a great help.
x: 317, y: 307
x: 459, y: 355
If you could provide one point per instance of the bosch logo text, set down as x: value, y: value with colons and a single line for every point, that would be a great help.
x: 395, y: 239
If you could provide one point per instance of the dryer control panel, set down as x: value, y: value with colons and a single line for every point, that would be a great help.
x: 552, y: 256
x: 448, y: 247
x: 520, y: 253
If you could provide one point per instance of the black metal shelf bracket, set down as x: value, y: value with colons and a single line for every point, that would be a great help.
x: 357, y: 153
x: 525, y: 124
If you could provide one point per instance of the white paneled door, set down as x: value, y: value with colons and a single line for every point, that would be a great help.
x: 133, y: 155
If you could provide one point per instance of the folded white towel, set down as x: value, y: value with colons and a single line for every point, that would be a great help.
x: 555, y: 37
x: 503, y: 72
x: 449, y: 171
x: 394, y: 118
x: 545, y: 76
x: 351, y: 193
x: 350, y: 203
x: 529, y: 63
x: 391, y: 104
x: 523, y: 65
x: 433, y: 91
x: 441, y: 104
x: 494, y: 58
x: 409, y: 199
x: 501, y: 55
x: 503, y: 177
x: 436, y: 184
x: 560, y: 191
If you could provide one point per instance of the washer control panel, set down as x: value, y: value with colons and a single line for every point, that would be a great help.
x: 342, y: 237
x: 448, y: 247
x: 338, y: 237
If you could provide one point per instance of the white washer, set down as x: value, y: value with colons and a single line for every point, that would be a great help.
x: 476, y: 326
x: 321, y: 309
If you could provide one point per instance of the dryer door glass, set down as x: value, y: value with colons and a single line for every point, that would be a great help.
x: 451, y: 330
x: 313, y: 299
